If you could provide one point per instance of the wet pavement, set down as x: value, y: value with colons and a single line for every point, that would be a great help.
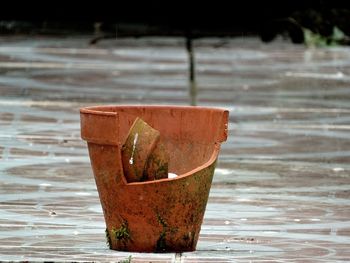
x: 281, y: 189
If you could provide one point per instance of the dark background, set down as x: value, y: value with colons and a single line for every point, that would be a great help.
x: 213, y: 18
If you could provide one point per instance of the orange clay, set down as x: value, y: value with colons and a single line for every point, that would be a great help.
x: 143, y: 156
x: 162, y: 215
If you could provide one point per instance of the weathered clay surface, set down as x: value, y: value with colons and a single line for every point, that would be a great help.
x: 144, y: 156
x: 162, y: 215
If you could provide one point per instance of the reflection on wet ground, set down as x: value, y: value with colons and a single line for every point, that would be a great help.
x: 282, y: 186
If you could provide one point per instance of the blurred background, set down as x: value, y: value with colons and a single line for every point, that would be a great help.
x: 324, y: 19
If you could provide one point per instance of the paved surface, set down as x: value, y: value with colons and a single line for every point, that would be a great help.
x: 282, y: 186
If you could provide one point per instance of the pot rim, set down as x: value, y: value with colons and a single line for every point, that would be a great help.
x: 99, y: 110
x: 105, y: 110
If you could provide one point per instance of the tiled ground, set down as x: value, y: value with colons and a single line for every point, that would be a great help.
x: 282, y: 186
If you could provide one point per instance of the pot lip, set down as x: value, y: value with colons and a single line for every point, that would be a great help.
x: 211, y: 160
x: 103, y: 109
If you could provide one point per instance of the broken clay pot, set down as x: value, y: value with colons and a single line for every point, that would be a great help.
x: 162, y: 215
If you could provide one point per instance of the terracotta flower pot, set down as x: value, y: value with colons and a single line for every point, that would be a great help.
x: 163, y: 215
